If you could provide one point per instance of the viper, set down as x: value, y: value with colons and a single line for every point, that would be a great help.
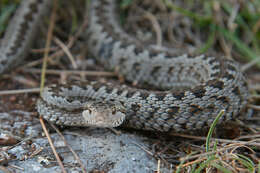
x: 190, y: 89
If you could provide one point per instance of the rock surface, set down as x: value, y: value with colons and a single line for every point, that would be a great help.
x: 100, y: 150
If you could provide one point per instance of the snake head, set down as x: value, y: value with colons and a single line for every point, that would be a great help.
x: 103, y: 113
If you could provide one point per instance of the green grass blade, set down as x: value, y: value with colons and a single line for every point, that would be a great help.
x: 242, y: 23
x: 187, y: 13
x: 209, y: 43
x: 221, y: 168
x: 241, y: 47
x: 248, y: 163
x: 205, y: 164
x: 182, y: 162
x: 125, y: 3
x: 212, y: 127
x: 179, y: 166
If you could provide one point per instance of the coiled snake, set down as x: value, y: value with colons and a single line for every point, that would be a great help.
x: 192, y: 89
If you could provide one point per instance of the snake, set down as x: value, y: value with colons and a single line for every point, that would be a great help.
x: 185, y: 92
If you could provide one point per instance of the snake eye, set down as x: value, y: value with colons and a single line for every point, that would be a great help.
x: 90, y: 112
x: 113, y: 110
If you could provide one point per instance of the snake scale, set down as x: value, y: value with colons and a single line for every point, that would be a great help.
x: 190, y: 90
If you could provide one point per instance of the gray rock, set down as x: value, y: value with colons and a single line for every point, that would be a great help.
x: 98, y: 149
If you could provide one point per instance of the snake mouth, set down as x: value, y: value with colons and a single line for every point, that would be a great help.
x: 100, y: 113
x: 101, y: 119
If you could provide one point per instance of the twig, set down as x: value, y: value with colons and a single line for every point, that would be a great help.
x: 16, y: 167
x: 158, y: 166
x: 117, y: 132
x: 79, y: 72
x: 192, y: 162
x: 226, y: 47
x: 232, y: 18
x: 25, y: 81
x: 20, y: 91
x: 71, y: 149
x: 250, y: 64
x: 61, y: 52
x: 67, y: 52
x: 256, y: 107
x: 156, y: 27
x: 52, y: 146
x: 42, y: 50
x: 143, y: 148
x: 249, y: 136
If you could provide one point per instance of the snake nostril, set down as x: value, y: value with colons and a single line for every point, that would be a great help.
x: 113, y: 111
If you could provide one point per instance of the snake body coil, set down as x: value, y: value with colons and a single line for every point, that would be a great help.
x: 196, y: 88
x: 20, y: 33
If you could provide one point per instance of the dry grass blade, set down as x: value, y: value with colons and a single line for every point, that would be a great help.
x: 223, y: 156
x: 48, y: 42
x: 251, y: 143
